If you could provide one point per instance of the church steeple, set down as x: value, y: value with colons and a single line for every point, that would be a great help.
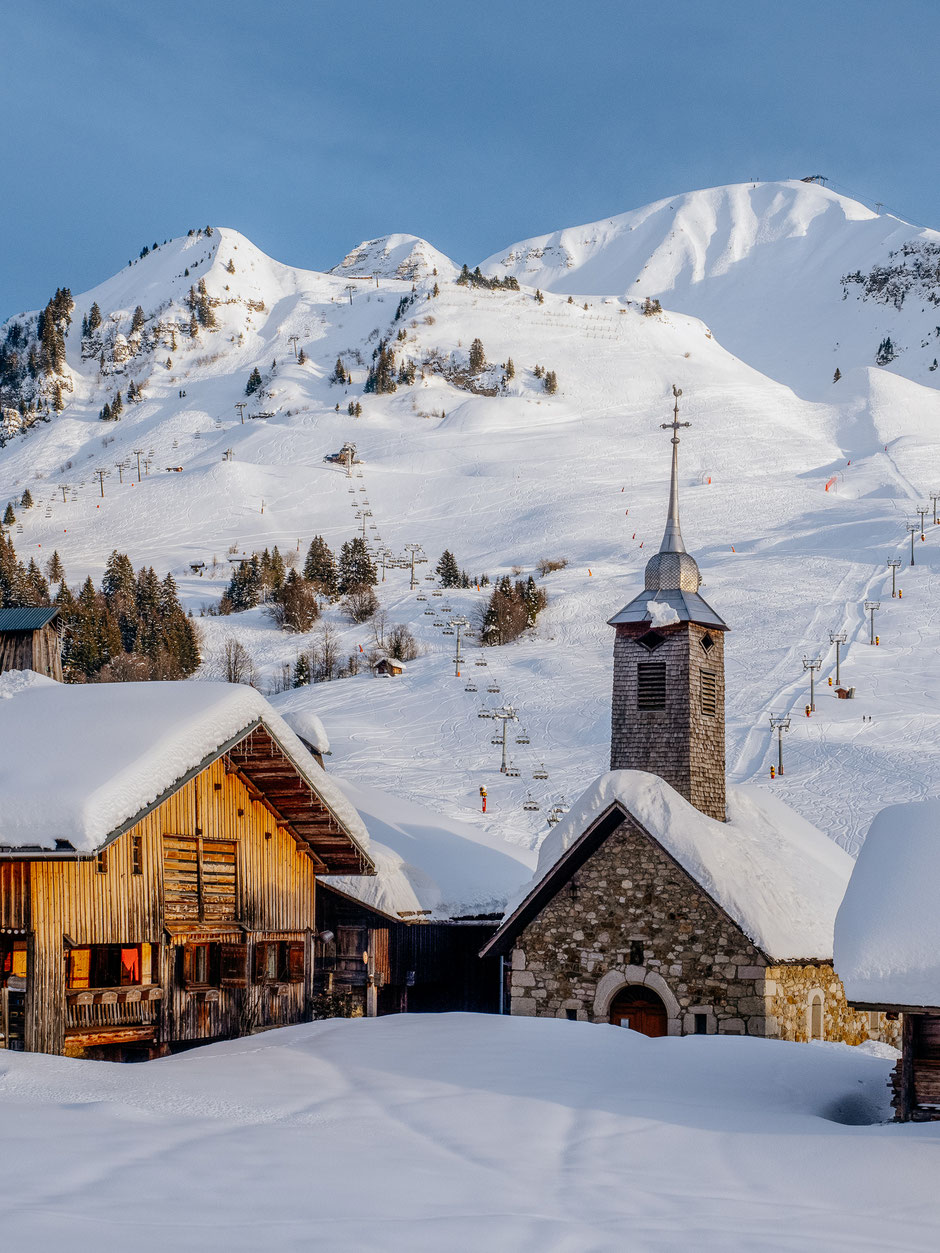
x: 672, y: 568
x: 668, y: 712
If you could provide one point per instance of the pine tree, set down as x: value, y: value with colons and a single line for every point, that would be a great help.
x: 447, y: 570
x: 381, y: 376
x: 193, y: 326
x: 436, y: 290
x: 9, y: 518
x: 886, y: 352
x: 117, y: 406
x: 254, y: 382
x: 105, y: 414
x: 26, y: 500
x: 477, y: 357
x: 302, y: 670
x: 837, y: 375
x: 137, y: 321
x: 301, y: 358
x: 539, y: 298
x: 356, y: 568
x: 510, y: 368
x: 339, y: 374
x: 551, y: 382
x: 320, y: 567
x: 54, y: 569
x: 231, y: 266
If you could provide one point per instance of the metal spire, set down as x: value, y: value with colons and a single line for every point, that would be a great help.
x: 672, y: 536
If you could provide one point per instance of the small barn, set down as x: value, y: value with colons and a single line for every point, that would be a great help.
x: 887, y: 946
x: 160, y: 850
x: 29, y: 640
x: 388, y: 667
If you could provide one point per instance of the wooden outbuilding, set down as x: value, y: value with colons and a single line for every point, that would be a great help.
x: 29, y: 640
x: 388, y: 667
x: 160, y: 846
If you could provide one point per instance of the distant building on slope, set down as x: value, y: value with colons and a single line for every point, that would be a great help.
x: 887, y: 946
x: 160, y: 850
x: 652, y: 906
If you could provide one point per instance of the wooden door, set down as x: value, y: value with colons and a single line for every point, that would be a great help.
x: 639, y: 1009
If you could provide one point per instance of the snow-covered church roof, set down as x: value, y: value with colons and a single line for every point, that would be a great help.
x: 777, y: 876
x: 888, y: 927
x: 80, y: 762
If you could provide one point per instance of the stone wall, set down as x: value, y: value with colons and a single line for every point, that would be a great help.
x: 680, y: 743
x: 788, y: 991
x: 630, y: 915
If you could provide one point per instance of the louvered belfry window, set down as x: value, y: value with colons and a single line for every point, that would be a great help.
x: 651, y: 685
x: 708, y: 691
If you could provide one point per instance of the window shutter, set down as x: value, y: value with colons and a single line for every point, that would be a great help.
x: 651, y: 685
x: 187, y: 965
x: 295, y: 961
x: 233, y: 965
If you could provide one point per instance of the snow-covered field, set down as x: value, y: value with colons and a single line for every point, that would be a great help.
x: 464, y: 1132
x: 505, y: 480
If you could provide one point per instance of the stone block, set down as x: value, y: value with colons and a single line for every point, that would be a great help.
x: 751, y: 972
x: 523, y: 979
x: 518, y: 959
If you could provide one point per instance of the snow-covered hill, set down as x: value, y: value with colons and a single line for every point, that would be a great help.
x: 503, y: 474
x: 762, y: 264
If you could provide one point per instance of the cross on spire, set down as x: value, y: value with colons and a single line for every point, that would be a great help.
x: 672, y: 536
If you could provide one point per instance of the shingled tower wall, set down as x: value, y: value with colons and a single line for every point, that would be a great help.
x: 668, y: 709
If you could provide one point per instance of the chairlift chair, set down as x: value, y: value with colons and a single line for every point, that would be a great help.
x: 481, y: 662
x: 493, y: 687
x: 512, y: 772
x: 522, y: 737
x: 554, y: 817
x: 484, y: 713
x: 437, y: 593
x: 497, y: 740
x: 421, y: 596
x: 540, y: 773
x: 530, y: 804
x: 429, y: 611
x: 471, y: 687
x: 448, y: 631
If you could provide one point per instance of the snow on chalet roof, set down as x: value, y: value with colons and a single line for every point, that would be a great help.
x: 307, y: 727
x: 81, y: 761
x: 888, y: 926
x: 776, y: 875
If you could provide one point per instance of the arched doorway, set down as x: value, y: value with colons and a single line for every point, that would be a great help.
x: 639, y: 1009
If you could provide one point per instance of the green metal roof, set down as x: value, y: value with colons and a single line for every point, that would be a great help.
x: 26, y: 619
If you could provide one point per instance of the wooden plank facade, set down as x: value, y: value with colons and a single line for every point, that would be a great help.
x: 195, y: 924
x: 369, y: 962
x: 29, y: 640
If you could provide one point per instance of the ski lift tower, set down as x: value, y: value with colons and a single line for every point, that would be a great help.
x: 838, y: 638
x: 417, y: 558
x: 349, y: 456
x: 780, y: 724
x: 812, y: 664
x: 459, y: 624
x: 506, y: 715
x: 912, y: 529
x: 894, y: 562
x: 870, y: 607
x: 935, y: 496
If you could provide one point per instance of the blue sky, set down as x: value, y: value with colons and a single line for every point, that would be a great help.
x: 310, y: 126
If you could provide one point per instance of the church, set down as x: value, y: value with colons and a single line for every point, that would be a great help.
x: 665, y: 901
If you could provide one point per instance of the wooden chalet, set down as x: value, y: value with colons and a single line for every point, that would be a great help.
x: 160, y: 846
x: 887, y: 944
x: 388, y: 667
x: 29, y: 640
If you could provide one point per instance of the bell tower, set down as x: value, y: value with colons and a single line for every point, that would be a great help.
x: 668, y: 709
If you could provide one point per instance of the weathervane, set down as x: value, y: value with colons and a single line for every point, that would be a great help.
x: 675, y: 424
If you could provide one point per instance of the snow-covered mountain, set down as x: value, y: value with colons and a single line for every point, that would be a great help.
x: 496, y: 469
x: 763, y: 265
x: 396, y: 256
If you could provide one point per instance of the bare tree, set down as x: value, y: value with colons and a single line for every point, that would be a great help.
x: 361, y: 603
x: 236, y: 663
x: 401, y: 644
x: 325, y: 654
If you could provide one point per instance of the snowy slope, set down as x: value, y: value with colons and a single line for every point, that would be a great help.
x: 504, y: 480
x: 761, y: 264
x: 414, y: 1133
